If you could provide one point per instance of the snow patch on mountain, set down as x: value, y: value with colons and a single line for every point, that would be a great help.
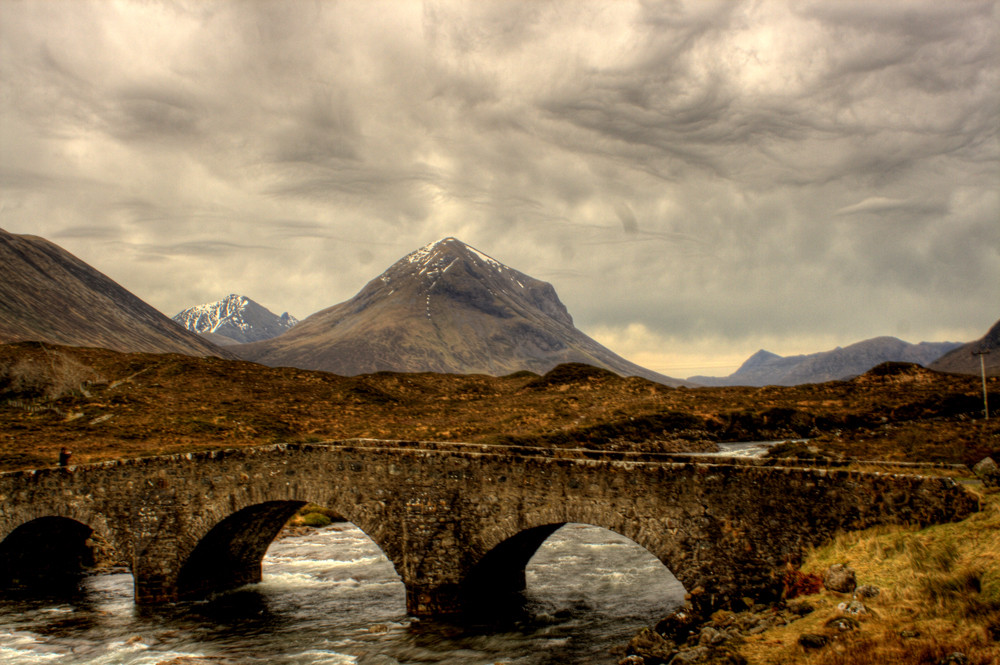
x: 237, y: 318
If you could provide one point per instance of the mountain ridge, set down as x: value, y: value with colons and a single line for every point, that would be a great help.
x: 766, y: 368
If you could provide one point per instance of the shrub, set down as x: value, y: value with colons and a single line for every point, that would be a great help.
x: 57, y: 376
x: 314, y: 515
x: 316, y: 519
x: 796, y: 583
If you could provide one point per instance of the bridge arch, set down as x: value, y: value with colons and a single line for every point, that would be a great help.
x: 51, y: 552
x: 230, y: 554
x: 53, y: 504
x: 498, y: 576
x: 226, y: 546
x: 498, y: 572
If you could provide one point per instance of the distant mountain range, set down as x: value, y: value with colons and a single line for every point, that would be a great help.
x: 235, y: 319
x: 444, y: 308
x: 769, y: 369
x: 962, y: 360
x: 49, y: 295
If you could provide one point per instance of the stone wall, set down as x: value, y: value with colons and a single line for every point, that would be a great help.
x: 459, y: 522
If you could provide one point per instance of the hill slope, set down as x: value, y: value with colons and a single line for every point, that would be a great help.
x: 444, y: 308
x: 961, y: 360
x: 49, y: 295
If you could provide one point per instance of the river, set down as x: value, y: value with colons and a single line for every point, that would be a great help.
x: 331, y: 597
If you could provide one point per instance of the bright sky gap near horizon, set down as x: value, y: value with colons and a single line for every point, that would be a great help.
x: 698, y: 179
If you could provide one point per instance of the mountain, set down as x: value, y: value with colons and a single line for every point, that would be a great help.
x: 49, y: 295
x: 769, y: 369
x: 961, y: 360
x: 235, y: 319
x: 444, y: 308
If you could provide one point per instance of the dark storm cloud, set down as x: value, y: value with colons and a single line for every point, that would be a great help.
x: 735, y: 173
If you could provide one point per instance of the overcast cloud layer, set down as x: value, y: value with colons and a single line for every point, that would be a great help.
x: 697, y: 179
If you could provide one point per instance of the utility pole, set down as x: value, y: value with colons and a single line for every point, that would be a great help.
x: 982, y: 369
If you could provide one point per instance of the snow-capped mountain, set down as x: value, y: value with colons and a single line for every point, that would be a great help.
x: 444, y: 308
x: 235, y: 319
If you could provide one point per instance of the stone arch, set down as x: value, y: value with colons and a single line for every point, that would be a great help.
x: 230, y: 554
x: 76, y: 511
x: 50, y: 553
x: 661, y: 531
x: 225, y: 547
x: 319, y: 490
x: 497, y: 577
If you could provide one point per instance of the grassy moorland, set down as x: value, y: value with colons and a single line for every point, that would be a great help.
x: 104, y: 405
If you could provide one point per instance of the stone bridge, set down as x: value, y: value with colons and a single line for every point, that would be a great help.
x: 458, y: 521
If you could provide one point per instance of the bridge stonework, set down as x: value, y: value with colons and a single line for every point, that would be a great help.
x: 459, y: 523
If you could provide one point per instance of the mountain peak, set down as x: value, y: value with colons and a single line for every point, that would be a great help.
x: 236, y: 318
x: 449, y: 266
x: 759, y: 358
x: 446, y: 307
x: 441, y: 254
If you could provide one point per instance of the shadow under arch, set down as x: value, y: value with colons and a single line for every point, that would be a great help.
x: 47, y: 554
x: 230, y: 554
x: 494, y: 587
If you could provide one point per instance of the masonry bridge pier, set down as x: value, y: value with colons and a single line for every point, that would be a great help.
x: 458, y: 521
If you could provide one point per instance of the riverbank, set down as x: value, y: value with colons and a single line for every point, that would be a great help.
x: 929, y: 595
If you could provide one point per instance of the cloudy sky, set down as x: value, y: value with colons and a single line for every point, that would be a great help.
x: 697, y: 179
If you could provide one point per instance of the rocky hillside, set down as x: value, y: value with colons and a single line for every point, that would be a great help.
x: 235, y: 319
x: 962, y: 360
x: 443, y: 308
x: 769, y: 369
x: 49, y: 295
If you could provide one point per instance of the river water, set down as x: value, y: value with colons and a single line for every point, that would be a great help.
x: 331, y: 597
x: 746, y: 449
